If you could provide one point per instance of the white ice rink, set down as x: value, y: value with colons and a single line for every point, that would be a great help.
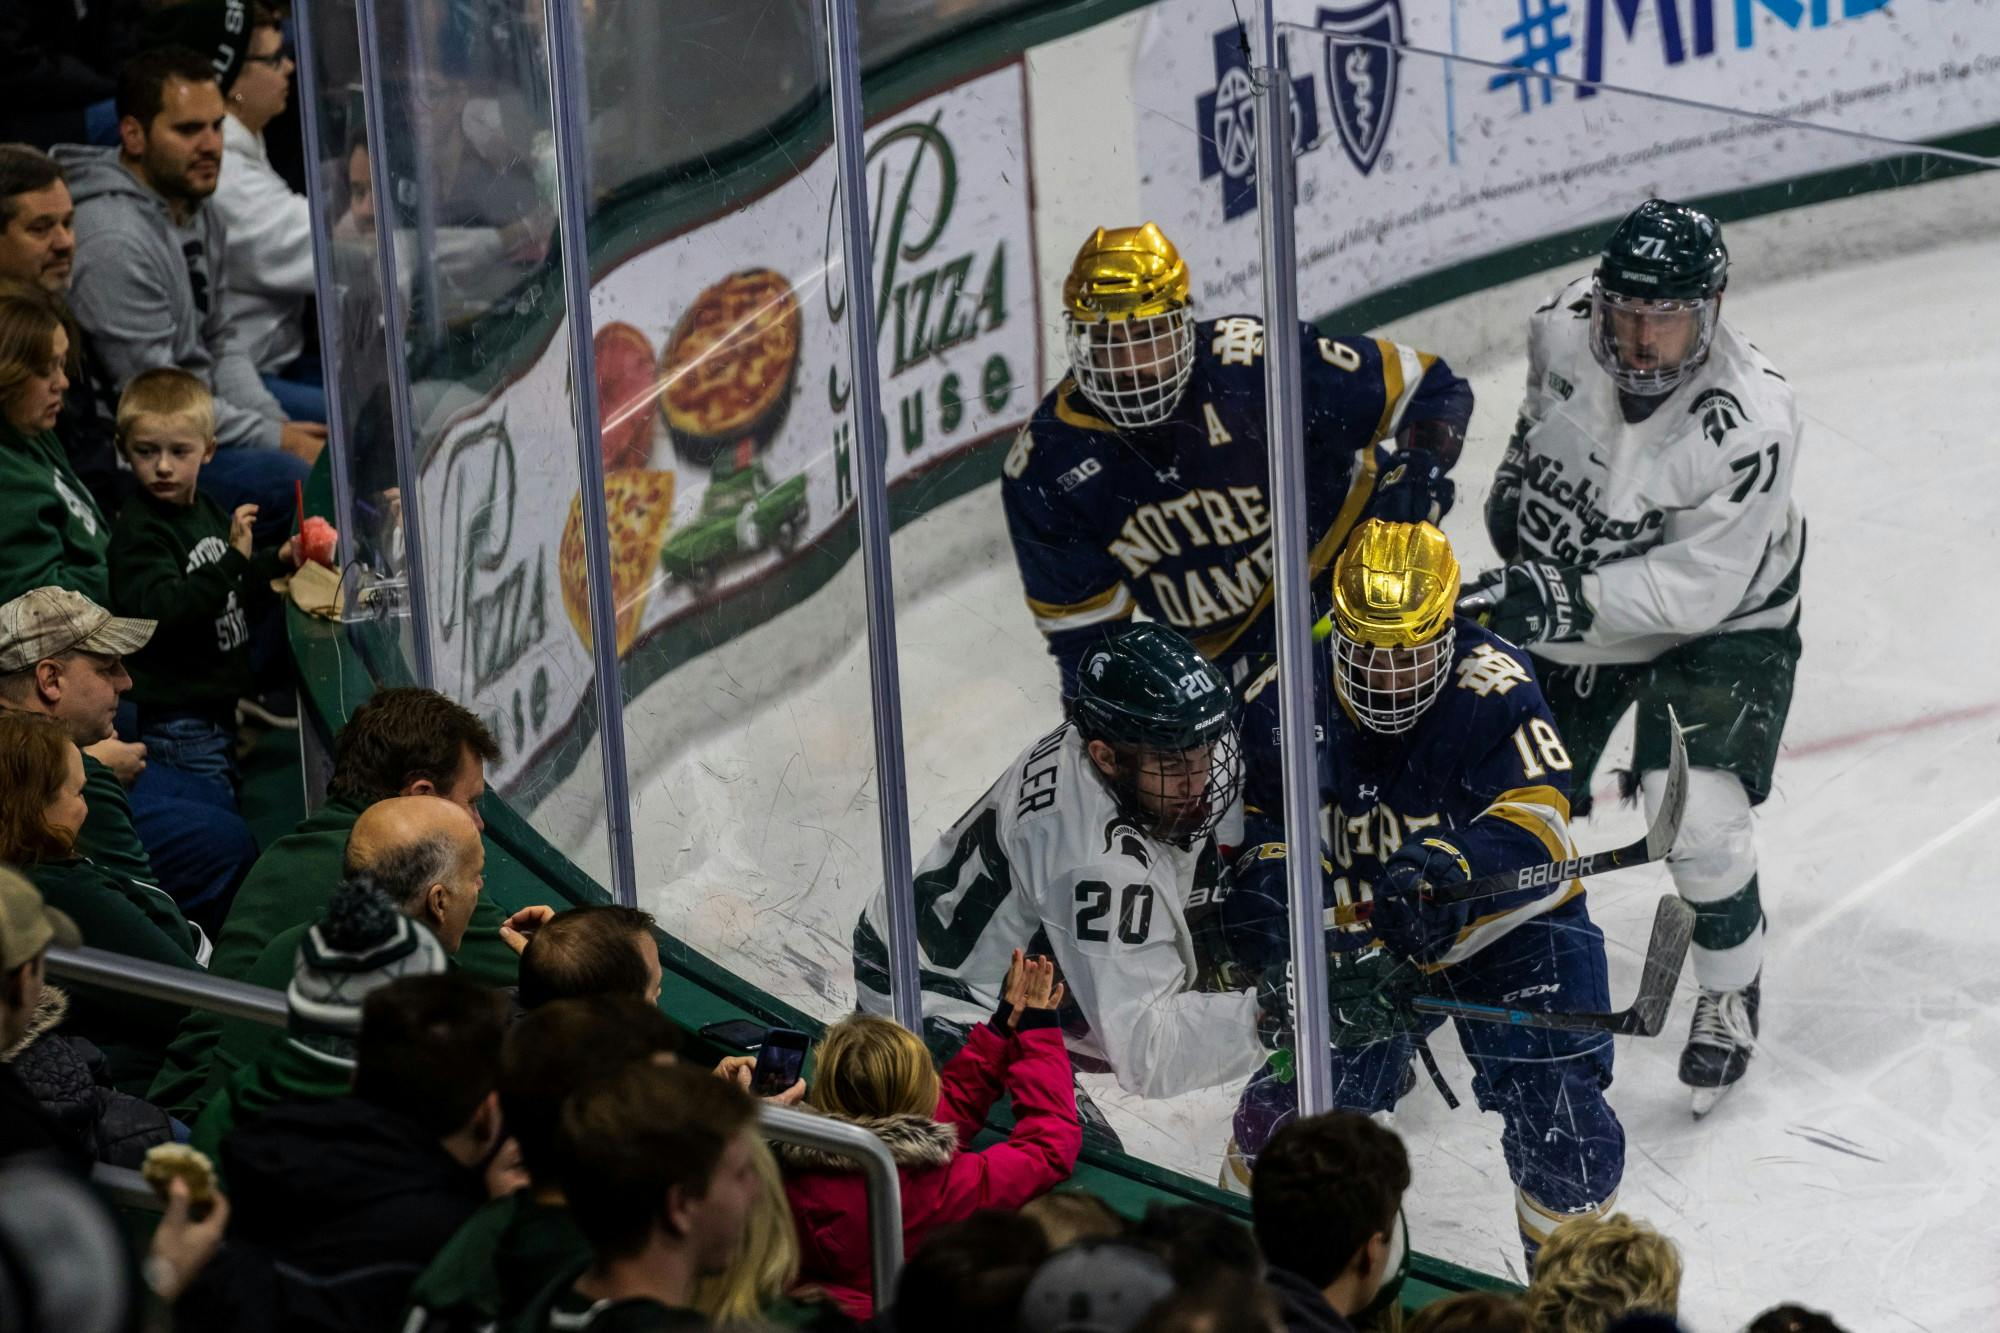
x: 1857, y: 1168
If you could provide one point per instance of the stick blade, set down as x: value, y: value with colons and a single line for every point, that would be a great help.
x: 1666, y: 825
x: 1673, y: 931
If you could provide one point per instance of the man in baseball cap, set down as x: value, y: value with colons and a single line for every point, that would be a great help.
x: 28, y: 926
x: 61, y: 655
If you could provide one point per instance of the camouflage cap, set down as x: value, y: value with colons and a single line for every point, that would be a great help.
x: 49, y: 622
x: 27, y: 924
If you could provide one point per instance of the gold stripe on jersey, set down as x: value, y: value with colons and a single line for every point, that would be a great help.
x: 1537, y: 1219
x: 1486, y: 929
x: 1359, y: 491
x: 1070, y: 416
x: 1542, y: 811
x: 1403, y: 371
x: 1114, y: 603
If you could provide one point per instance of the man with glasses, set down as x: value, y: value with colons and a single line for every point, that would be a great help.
x: 1645, y: 509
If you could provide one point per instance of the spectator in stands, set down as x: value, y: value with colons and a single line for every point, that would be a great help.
x: 1069, y: 1215
x: 62, y: 67
x: 270, y: 229
x: 38, y: 250
x: 1324, y: 1200
x: 1591, y: 1270
x: 878, y: 1075
x: 1471, y: 1312
x: 41, y: 809
x: 418, y: 853
x: 403, y: 741
x: 1098, y: 1286
x: 756, y: 1291
x: 1790, y: 1318
x: 658, y: 1165
x: 515, y: 1246
x: 363, y: 943
x: 62, y: 656
x: 178, y: 561
x: 1198, y: 1243
x: 152, y: 262
x: 69, y: 1076
x: 596, y: 950
x: 51, y: 530
x: 1230, y: 1303
x: 28, y: 926
x: 969, y: 1276
x: 339, y: 1204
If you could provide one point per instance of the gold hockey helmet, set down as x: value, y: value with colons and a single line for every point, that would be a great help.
x: 1127, y: 322
x: 1394, y: 589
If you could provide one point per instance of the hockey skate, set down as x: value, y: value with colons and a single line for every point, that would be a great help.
x: 1719, y: 1043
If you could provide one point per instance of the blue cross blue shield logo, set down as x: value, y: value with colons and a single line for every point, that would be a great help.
x: 1227, y: 120
x: 1361, y: 76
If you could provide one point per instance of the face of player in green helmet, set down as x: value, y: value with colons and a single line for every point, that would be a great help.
x: 1172, y: 792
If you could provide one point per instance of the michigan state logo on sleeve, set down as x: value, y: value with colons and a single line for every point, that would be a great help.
x: 1720, y: 413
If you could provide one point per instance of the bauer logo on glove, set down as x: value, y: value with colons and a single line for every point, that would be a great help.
x: 1529, y: 603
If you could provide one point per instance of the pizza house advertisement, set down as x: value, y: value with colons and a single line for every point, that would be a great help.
x: 725, y: 389
x: 1408, y: 163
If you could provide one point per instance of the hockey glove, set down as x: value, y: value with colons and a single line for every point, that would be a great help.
x: 1529, y: 603
x: 1409, y: 916
x: 1503, y: 502
x: 1368, y: 993
x: 1413, y: 490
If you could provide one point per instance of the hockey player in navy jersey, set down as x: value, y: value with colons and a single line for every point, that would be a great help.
x: 1439, y: 762
x: 1140, y: 483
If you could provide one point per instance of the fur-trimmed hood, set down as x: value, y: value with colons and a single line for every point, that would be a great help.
x: 52, y: 1009
x: 917, y: 1142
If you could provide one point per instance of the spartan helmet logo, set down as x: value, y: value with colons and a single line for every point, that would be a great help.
x: 1097, y: 665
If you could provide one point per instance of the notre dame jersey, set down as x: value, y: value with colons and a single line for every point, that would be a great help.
x: 1174, y: 519
x: 1685, y: 519
x: 1045, y: 862
x: 1484, y: 761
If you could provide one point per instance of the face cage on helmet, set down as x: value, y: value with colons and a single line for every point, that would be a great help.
x: 1658, y: 380
x: 1391, y: 711
x: 1157, y: 355
x: 1196, y: 821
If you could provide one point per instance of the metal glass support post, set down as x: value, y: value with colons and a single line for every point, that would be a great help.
x: 393, y: 334
x: 1285, y: 430
x: 843, y: 49
x: 325, y: 291
x: 572, y: 143
x: 175, y: 985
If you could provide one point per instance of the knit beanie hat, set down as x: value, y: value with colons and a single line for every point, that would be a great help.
x: 216, y: 30
x: 361, y: 943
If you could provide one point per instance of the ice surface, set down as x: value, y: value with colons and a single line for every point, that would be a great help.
x: 1857, y: 1168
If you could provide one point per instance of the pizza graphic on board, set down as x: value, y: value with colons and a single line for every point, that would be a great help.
x: 639, y: 504
x: 626, y: 387
x: 727, y: 371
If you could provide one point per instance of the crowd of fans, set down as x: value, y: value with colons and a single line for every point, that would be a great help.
x: 473, y: 1119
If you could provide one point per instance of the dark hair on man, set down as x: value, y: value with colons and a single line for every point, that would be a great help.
x: 430, y: 1049
x: 406, y: 872
x: 404, y: 735
x: 1226, y: 1303
x: 1789, y: 1318
x: 558, y: 1047
x: 1471, y: 1312
x: 629, y: 1139
x: 970, y: 1275
x: 1322, y: 1186
x: 24, y: 169
x: 1197, y: 1241
x: 142, y: 83
x: 587, y: 951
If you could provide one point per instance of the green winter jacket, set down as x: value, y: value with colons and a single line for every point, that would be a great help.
x: 174, y: 564
x: 285, y: 1072
x: 109, y: 837
x: 508, y: 1253
x: 51, y: 531
x: 140, y: 921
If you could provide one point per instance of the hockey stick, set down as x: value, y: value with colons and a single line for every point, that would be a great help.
x: 1659, y: 840
x: 1673, y: 929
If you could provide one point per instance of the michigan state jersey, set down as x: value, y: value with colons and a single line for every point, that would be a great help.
x: 1045, y: 862
x: 1685, y: 519
x: 1174, y: 519
x: 1484, y: 761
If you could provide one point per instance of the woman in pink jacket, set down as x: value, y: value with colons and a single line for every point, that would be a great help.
x: 877, y: 1075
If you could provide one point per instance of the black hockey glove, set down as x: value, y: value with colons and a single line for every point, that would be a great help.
x: 1409, y: 917
x: 1368, y: 993
x: 1503, y: 502
x: 1537, y: 601
x: 1413, y: 490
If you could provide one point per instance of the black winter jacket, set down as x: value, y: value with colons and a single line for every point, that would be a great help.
x: 70, y: 1080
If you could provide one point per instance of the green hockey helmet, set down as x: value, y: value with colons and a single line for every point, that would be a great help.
x: 1657, y: 296
x: 1164, y: 711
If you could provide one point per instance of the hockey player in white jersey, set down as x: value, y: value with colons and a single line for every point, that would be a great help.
x: 1096, y: 846
x: 1645, y: 508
